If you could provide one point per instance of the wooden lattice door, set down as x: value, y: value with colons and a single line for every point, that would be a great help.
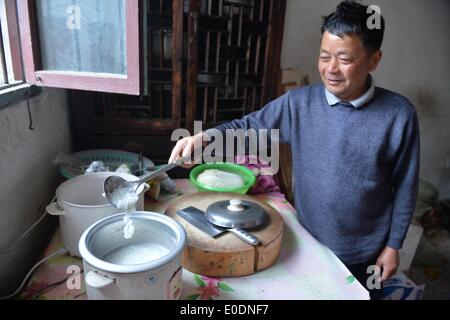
x: 234, y: 50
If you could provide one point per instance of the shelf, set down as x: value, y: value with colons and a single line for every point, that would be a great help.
x: 211, y: 79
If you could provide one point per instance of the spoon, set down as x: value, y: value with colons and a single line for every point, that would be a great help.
x: 117, y: 188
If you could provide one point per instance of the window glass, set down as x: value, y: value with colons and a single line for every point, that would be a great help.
x: 82, y: 35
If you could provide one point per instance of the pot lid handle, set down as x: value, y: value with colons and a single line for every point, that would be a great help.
x: 235, y: 205
x: 55, y: 210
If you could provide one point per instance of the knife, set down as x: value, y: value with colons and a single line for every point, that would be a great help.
x: 198, y: 219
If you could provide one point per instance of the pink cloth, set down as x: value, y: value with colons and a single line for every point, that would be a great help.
x: 266, y: 178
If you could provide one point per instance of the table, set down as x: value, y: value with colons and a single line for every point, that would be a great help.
x: 305, y: 269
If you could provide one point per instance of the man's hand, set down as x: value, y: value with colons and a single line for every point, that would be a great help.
x: 185, y: 147
x: 388, y: 262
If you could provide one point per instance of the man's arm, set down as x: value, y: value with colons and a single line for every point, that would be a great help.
x: 275, y: 115
x: 405, y: 180
x: 405, y: 183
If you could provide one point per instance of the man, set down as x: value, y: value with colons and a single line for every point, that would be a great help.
x: 355, y: 149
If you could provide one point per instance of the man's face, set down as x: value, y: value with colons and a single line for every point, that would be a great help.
x: 344, y: 65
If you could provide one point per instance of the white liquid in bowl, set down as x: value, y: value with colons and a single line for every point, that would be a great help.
x: 136, y: 253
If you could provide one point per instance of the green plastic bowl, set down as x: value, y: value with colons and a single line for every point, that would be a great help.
x: 247, y: 175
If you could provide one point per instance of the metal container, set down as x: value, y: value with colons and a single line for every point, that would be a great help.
x: 81, y: 202
x: 140, y: 275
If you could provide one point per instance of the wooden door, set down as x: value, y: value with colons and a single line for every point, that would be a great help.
x: 233, y: 59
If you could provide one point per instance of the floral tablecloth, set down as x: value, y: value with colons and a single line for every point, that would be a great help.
x: 305, y: 268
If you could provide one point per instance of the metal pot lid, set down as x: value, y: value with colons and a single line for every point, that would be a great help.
x: 236, y: 213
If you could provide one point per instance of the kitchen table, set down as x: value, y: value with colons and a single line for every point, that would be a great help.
x: 305, y: 269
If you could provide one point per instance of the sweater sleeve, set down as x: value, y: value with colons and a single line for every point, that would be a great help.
x: 405, y: 183
x: 275, y: 115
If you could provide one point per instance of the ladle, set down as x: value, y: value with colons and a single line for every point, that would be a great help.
x: 117, y: 189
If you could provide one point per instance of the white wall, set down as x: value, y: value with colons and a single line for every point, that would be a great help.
x: 415, y: 63
x: 28, y: 179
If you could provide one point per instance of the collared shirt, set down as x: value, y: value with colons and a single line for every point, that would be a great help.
x: 357, y: 103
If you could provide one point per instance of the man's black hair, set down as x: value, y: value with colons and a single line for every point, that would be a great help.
x: 350, y: 18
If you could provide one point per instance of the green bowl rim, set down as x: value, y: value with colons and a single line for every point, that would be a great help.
x: 240, y: 167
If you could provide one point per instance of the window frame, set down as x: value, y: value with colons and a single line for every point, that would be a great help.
x: 131, y: 83
x: 13, y: 39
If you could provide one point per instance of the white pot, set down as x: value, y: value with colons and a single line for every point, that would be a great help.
x: 153, y: 275
x: 81, y: 202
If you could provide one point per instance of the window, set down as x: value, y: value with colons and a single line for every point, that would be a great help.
x: 82, y: 44
x: 10, y: 58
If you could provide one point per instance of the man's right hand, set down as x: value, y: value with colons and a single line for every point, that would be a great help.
x: 185, y: 147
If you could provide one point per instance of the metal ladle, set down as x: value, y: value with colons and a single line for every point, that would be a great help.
x: 117, y: 188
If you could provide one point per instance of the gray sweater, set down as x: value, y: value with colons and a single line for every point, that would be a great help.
x: 355, y: 169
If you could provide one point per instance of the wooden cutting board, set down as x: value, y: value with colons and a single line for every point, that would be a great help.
x: 227, y: 255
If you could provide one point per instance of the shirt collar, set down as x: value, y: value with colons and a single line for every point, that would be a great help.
x: 357, y: 103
